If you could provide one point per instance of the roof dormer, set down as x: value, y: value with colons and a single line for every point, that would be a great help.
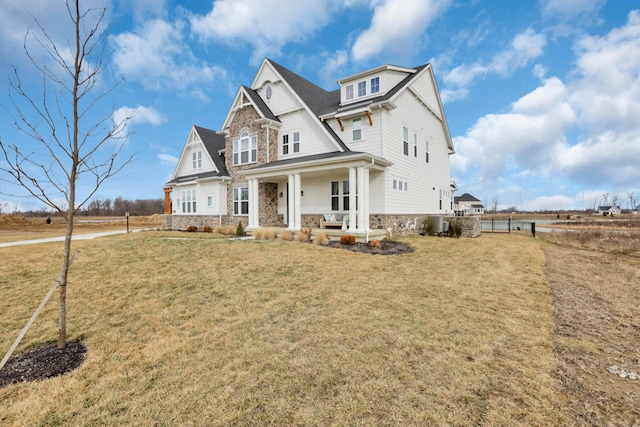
x: 372, y: 83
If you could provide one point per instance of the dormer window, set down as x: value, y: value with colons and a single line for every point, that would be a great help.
x: 375, y: 85
x: 349, y: 92
x: 362, y: 89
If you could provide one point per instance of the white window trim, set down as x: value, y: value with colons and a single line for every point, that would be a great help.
x: 252, y: 149
x: 356, y: 126
x: 238, y: 201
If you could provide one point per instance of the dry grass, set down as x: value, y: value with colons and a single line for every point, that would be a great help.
x: 210, y: 331
x: 264, y: 234
x: 14, y: 228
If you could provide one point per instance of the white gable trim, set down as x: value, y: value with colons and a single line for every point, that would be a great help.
x: 315, y: 118
x: 193, y: 139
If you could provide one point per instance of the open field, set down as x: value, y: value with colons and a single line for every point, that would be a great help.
x: 14, y: 228
x: 196, y: 329
x: 594, y: 279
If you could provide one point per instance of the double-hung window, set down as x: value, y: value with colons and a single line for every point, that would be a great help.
x: 189, y: 201
x: 337, y: 195
x: 348, y: 92
x: 241, y: 201
x: 405, y: 140
x: 362, y: 88
x: 375, y: 85
x: 357, y: 129
x: 196, y: 156
x: 291, y: 144
x: 245, y: 149
x: 415, y: 145
x: 426, y: 148
x: 296, y: 142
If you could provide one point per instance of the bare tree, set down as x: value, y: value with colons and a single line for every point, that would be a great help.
x: 614, y: 199
x: 70, y: 145
x: 633, y: 200
x: 494, y: 204
x: 605, y: 199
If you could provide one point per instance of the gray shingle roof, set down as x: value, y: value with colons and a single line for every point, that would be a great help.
x: 262, y: 106
x: 213, y: 142
x: 466, y: 197
x: 317, y: 99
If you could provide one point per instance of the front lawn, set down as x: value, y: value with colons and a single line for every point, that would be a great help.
x: 192, y: 328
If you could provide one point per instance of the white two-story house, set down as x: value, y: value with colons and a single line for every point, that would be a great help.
x: 290, y: 153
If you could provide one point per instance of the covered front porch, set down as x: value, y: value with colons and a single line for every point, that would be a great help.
x: 309, y: 188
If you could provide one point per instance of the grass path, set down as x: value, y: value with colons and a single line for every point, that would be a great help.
x: 207, y: 331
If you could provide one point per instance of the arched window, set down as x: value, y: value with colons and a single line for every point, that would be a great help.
x: 245, y: 149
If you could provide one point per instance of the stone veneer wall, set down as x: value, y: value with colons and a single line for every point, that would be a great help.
x: 471, y: 226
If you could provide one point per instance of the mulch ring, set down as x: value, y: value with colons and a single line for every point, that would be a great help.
x: 387, y: 247
x: 42, y: 363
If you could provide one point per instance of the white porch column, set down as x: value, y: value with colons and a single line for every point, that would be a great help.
x: 293, y: 198
x: 298, y: 202
x: 254, y: 208
x: 361, y: 199
x: 352, y: 199
x: 291, y: 190
x: 366, y: 207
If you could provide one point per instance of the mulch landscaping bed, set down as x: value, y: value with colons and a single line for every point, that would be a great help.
x: 42, y: 363
x: 387, y: 247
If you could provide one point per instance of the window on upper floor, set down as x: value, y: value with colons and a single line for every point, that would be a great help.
x: 241, y: 201
x: 196, y: 157
x: 269, y: 93
x: 348, y: 92
x: 245, y: 149
x: 426, y: 148
x: 357, y: 129
x: 415, y: 145
x: 362, y: 88
x: 375, y: 85
x: 296, y: 142
x: 291, y: 143
x: 405, y: 140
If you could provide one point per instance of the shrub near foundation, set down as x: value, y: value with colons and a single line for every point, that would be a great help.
x: 286, y: 235
x: 304, y: 235
x: 348, y: 240
x: 322, y: 239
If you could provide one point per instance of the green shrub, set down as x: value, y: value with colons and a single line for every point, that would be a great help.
x: 429, y: 226
x: 240, y: 230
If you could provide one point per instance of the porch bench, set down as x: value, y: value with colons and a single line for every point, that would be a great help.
x: 331, y: 220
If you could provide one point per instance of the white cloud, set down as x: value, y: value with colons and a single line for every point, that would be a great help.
x: 267, y: 25
x: 158, y: 56
x: 586, y: 129
x: 556, y: 202
x: 138, y: 115
x: 567, y: 9
x: 395, y: 24
x: 524, y: 48
x: 168, y: 160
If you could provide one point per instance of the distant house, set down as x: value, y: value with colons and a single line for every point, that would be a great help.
x: 373, y: 153
x: 609, y: 210
x: 636, y: 210
x: 466, y: 204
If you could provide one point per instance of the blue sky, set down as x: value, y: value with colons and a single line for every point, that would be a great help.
x: 542, y: 97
